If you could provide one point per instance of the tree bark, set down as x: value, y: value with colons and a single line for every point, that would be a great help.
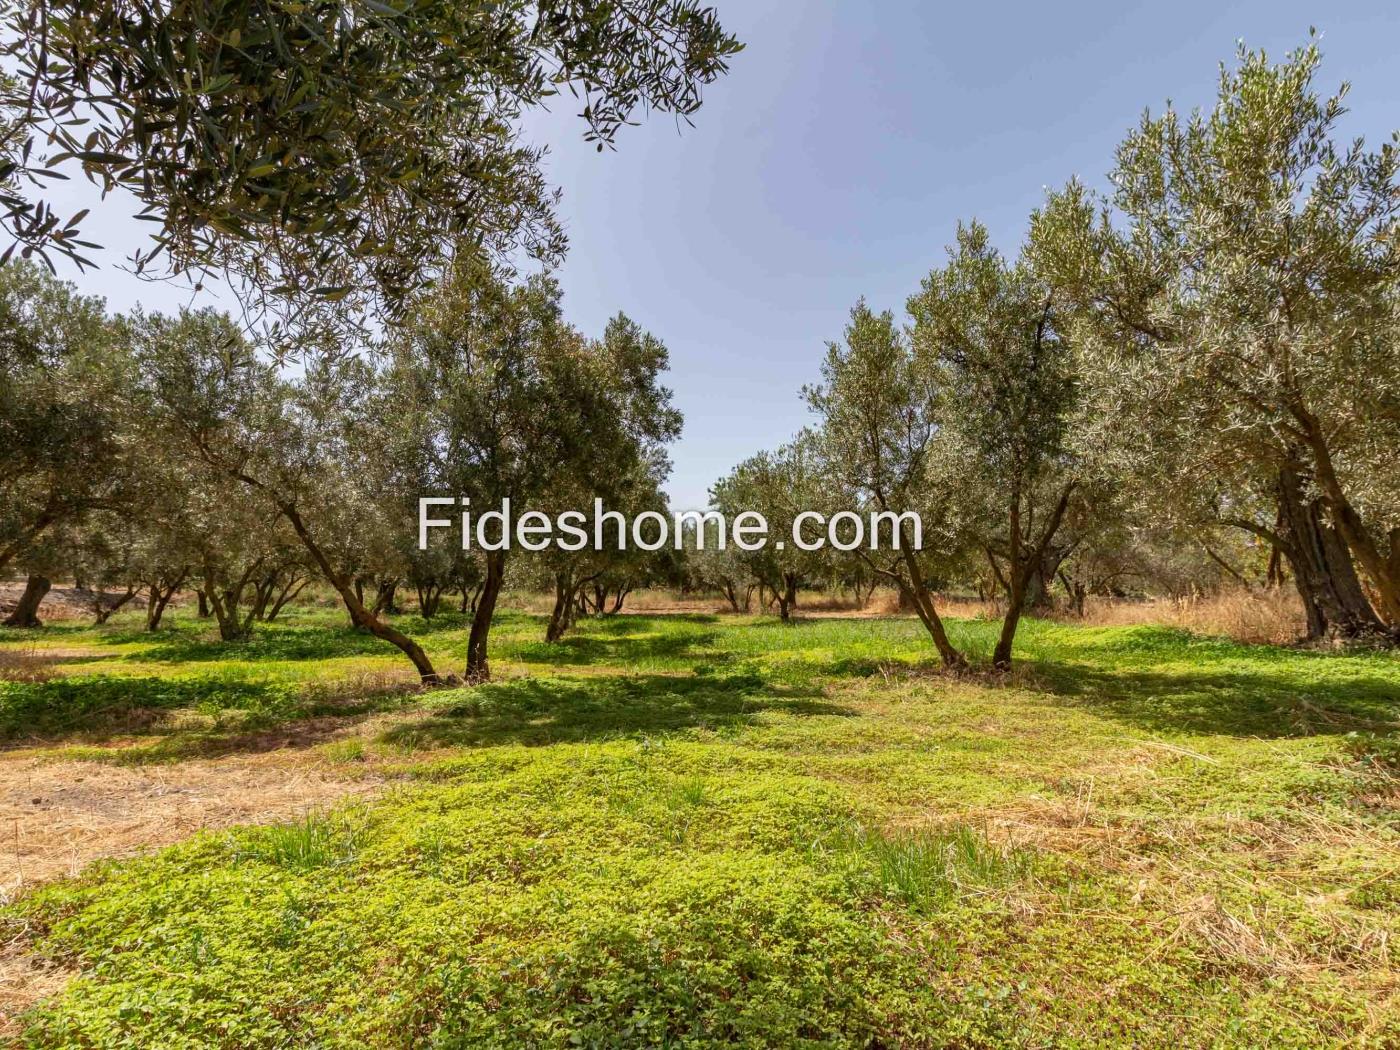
x: 787, y: 597
x: 225, y: 602
x: 1334, y: 602
x: 1383, y: 567
x: 103, y: 609
x: 359, y: 615
x: 1026, y: 565
x: 26, y: 613
x: 478, y: 667
x: 915, y: 591
x: 294, y: 587
x: 562, y: 614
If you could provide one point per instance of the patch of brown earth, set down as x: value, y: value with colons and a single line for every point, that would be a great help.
x: 57, y: 817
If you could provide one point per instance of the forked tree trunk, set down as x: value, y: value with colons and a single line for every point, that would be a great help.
x: 1027, y: 563
x: 158, y: 598
x: 1039, y: 586
x: 26, y: 613
x: 294, y: 587
x: 225, y: 601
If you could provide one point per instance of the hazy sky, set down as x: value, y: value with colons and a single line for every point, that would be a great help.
x: 836, y: 160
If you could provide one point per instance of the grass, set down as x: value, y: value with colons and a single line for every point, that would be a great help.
x: 700, y: 830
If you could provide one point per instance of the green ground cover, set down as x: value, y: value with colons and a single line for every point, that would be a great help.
x: 696, y: 830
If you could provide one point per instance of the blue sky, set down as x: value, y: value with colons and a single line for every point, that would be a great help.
x: 836, y: 160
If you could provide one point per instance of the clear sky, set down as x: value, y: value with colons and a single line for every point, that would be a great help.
x: 836, y: 159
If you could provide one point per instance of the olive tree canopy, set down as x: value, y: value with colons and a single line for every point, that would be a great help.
x: 331, y: 148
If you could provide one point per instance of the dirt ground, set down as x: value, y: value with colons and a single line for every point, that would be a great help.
x: 57, y: 817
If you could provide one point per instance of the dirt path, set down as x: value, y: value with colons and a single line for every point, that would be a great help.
x: 57, y: 817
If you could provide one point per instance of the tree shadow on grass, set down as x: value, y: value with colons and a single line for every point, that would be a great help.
x: 208, y: 714
x: 280, y: 643
x: 535, y: 711
x: 620, y: 647
x: 127, y: 702
x: 1267, y: 703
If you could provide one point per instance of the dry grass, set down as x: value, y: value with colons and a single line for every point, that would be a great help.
x: 354, y: 688
x: 26, y: 665
x: 58, y: 817
x: 1252, y: 616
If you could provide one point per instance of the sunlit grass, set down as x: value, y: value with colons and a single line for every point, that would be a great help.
x: 705, y: 830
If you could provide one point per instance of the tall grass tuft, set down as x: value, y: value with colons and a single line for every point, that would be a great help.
x: 925, y: 867
x: 315, y: 841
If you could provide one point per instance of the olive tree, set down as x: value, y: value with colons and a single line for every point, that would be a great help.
x: 1235, y: 301
x: 508, y: 402
x: 64, y: 374
x: 780, y: 485
x: 989, y: 331
x: 311, y: 452
x: 879, y: 402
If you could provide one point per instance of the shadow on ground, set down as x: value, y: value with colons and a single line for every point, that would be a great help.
x: 1257, y: 703
x: 537, y: 711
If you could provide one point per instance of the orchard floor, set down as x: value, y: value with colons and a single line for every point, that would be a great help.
x: 692, y: 830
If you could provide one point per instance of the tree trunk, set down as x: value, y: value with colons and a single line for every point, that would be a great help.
x: 1016, y: 601
x: 225, y: 601
x: 159, y: 598
x: 289, y: 592
x: 915, y: 591
x: 1076, y: 592
x: 787, y: 597
x: 359, y: 615
x: 1383, y: 567
x: 203, y: 605
x: 384, y: 597
x: 103, y: 610
x: 561, y: 616
x: 1335, y: 604
x: 478, y: 668
x: 262, y: 594
x: 1028, y: 563
x: 26, y: 613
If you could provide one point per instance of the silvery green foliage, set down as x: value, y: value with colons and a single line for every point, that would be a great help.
x: 330, y: 148
x: 1236, y: 295
x: 64, y: 370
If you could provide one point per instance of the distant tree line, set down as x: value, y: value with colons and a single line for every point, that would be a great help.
x: 1206, y: 357
x: 1192, y: 378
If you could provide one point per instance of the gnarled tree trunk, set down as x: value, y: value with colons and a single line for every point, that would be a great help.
x: 26, y: 613
x: 1323, y: 571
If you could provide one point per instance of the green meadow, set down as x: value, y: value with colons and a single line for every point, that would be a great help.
x: 694, y: 830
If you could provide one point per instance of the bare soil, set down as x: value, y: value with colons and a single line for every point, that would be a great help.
x: 57, y: 817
